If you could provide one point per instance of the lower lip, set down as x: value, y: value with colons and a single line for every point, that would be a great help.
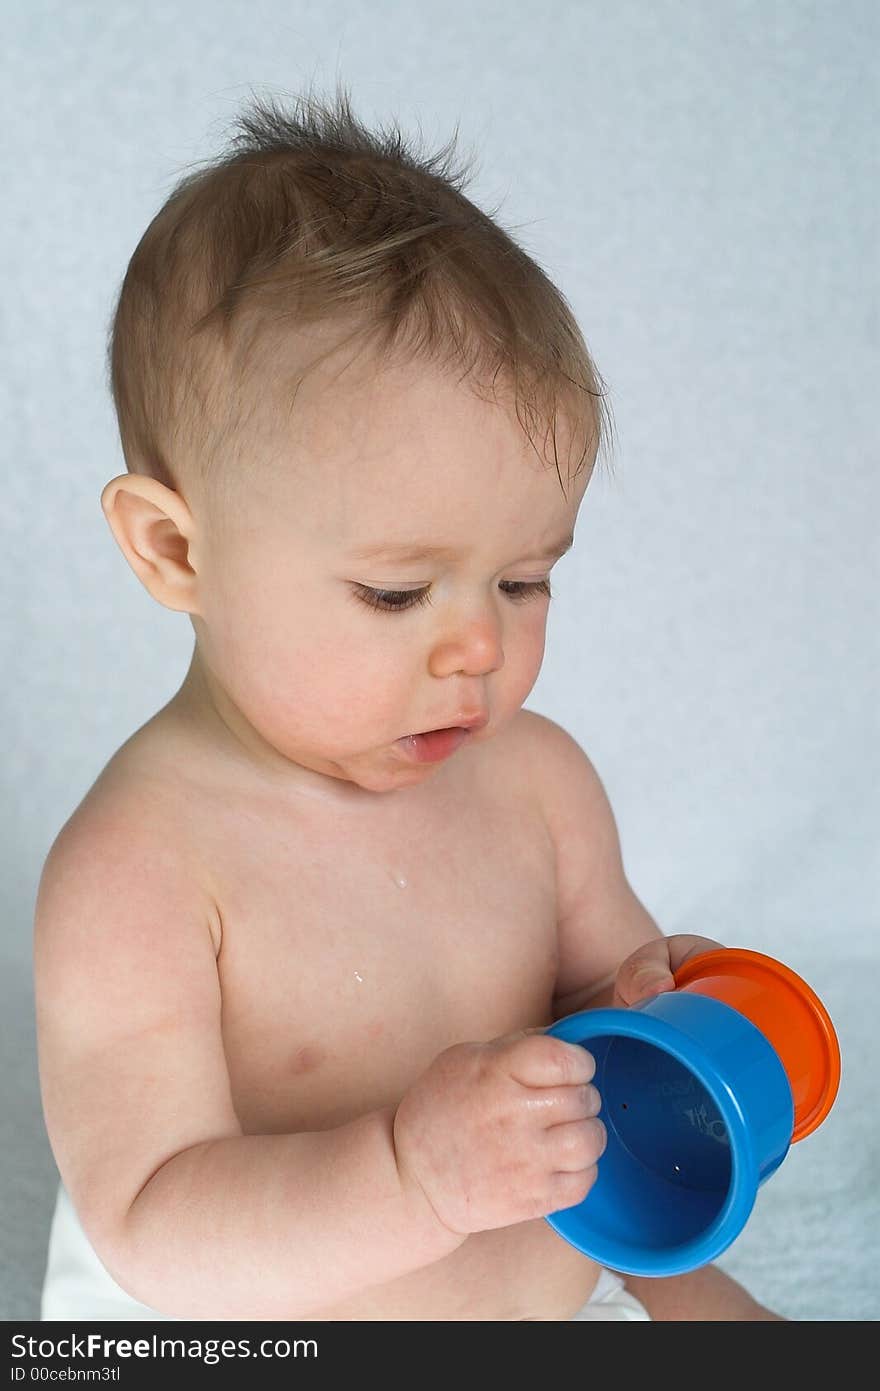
x: 432, y: 747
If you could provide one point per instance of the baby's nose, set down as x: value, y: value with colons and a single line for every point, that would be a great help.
x: 474, y: 648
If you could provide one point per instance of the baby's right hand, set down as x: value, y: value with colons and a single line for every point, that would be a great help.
x: 500, y: 1132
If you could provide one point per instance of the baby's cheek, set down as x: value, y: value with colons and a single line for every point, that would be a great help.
x: 322, y: 691
x: 522, y: 664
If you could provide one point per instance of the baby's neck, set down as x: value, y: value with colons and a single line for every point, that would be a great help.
x: 211, y: 719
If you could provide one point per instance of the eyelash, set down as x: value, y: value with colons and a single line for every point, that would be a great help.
x: 394, y: 600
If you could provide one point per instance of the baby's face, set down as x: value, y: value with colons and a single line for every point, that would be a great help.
x: 333, y: 639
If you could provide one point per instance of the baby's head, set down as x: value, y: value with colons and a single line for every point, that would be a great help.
x: 358, y: 422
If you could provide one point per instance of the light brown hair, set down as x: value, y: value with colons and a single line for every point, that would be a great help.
x: 309, y: 220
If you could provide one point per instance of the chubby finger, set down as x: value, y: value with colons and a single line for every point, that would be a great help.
x: 557, y: 1105
x: 649, y: 970
x: 646, y: 972
x: 684, y: 945
x: 576, y: 1145
x: 542, y: 1060
x: 569, y: 1189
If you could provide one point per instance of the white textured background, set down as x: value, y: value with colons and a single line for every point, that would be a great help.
x: 700, y: 178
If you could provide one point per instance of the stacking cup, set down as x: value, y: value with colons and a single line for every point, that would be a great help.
x: 704, y: 1088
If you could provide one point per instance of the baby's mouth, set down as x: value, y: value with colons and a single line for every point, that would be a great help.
x: 432, y: 746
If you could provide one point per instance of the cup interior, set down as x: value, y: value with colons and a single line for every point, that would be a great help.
x: 698, y: 1113
x: 665, y: 1176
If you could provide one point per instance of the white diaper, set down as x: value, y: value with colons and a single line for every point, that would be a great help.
x: 612, y: 1300
x: 76, y: 1287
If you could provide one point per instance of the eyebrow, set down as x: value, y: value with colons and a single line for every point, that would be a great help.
x: 409, y: 554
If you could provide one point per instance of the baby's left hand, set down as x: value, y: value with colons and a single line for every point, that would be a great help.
x: 648, y: 970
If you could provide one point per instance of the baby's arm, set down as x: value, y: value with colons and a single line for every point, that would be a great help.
x: 708, y: 1294
x: 197, y: 1220
x: 599, y: 919
x: 189, y: 1215
x: 601, y: 925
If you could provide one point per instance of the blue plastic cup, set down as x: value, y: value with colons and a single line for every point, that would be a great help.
x: 699, y: 1113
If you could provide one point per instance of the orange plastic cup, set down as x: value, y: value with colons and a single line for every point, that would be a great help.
x: 789, y: 1014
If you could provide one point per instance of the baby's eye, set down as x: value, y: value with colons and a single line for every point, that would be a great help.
x: 392, y: 600
x: 526, y: 589
x: 398, y: 600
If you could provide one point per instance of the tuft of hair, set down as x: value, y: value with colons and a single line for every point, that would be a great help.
x: 309, y: 228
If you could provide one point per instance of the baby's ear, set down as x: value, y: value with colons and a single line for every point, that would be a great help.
x: 154, y: 529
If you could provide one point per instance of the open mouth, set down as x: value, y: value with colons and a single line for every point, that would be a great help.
x: 432, y: 746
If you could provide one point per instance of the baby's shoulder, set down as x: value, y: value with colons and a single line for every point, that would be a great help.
x: 557, y: 768
x: 542, y: 747
x: 509, y: 766
x: 134, y: 825
x: 144, y: 783
x: 139, y: 800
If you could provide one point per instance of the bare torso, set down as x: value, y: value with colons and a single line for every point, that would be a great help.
x: 355, y: 946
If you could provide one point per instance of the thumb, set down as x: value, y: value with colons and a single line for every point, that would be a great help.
x: 640, y: 979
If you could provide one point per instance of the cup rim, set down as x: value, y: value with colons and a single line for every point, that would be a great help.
x: 743, y: 961
x: 742, y: 1191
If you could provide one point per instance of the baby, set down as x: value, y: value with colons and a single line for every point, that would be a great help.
x: 297, y: 948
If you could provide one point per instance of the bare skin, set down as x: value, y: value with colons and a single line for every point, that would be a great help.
x: 291, y: 985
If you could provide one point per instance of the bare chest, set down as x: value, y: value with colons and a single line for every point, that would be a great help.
x: 353, y: 952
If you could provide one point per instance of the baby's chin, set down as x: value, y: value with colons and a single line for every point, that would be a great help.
x: 348, y: 776
x: 391, y: 775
